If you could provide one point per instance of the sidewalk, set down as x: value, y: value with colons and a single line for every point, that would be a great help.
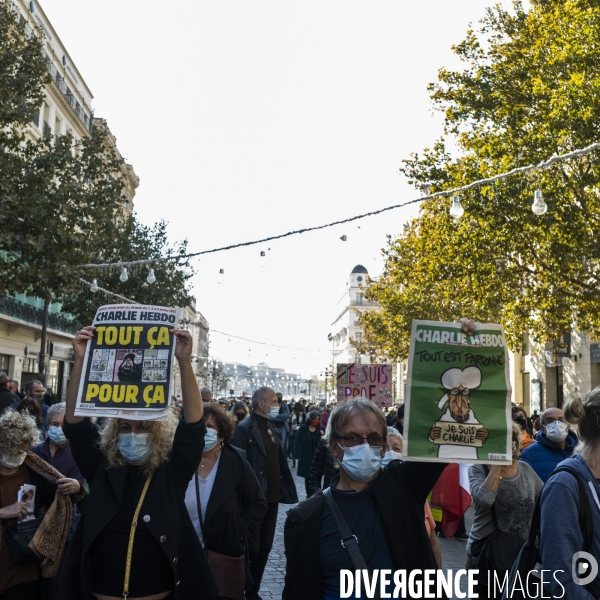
x: 454, y: 553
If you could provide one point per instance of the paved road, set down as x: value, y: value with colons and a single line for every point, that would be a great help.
x: 453, y: 552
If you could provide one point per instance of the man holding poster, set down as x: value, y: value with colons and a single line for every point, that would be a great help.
x: 135, y: 538
x: 457, y: 407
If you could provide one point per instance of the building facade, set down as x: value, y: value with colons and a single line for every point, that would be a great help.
x: 195, y: 322
x: 545, y: 375
x: 67, y: 107
x: 248, y: 378
x: 347, y: 328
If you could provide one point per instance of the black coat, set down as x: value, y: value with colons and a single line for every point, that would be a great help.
x: 400, y: 492
x: 247, y: 437
x: 168, y: 519
x: 323, y: 467
x: 303, y: 449
x: 236, y: 506
x: 7, y: 399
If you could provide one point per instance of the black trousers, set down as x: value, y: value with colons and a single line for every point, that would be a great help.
x: 32, y: 590
x: 263, y: 542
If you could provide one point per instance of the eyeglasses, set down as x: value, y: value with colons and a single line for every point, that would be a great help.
x: 456, y: 392
x: 355, y: 440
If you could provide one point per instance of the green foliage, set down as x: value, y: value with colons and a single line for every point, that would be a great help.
x: 59, y: 196
x: 130, y: 241
x: 530, y: 89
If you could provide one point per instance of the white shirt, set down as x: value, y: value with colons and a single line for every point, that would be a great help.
x: 191, y: 503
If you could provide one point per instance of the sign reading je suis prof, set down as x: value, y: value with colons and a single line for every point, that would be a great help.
x: 128, y: 364
x: 457, y: 406
x: 373, y: 382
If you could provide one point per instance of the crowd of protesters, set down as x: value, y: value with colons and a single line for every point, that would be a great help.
x: 186, y: 507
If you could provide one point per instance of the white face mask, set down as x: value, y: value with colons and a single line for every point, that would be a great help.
x: 12, y: 462
x: 389, y: 456
x: 557, y: 431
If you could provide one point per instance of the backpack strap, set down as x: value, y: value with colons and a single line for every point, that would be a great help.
x: 586, y: 522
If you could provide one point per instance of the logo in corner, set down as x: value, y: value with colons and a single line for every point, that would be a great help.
x: 584, y: 568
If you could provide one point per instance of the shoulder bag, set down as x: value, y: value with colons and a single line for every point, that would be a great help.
x: 229, y: 572
x: 18, y: 538
x: 349, y: 541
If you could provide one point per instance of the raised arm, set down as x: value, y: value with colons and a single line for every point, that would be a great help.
x: 190, y: 392
x: 79, y: 346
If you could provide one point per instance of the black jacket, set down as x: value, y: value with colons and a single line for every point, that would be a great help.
x: 400, y: 492
x: 7, y: 399
x: 236, y: 506
x: 247, y: 437
x: 323, y: 467
x: 303, y: 449
x: 168, y: 519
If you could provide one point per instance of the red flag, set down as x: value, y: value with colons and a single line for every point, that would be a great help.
x: 451, y: 493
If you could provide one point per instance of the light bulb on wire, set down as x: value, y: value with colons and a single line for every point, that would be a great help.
x: 456, y: 210
x: 539, y: 207
x: 124, y: 277
x: 151, y: 277
x: 94, y: 286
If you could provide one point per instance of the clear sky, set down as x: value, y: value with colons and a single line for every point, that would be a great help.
x: 249, y: 119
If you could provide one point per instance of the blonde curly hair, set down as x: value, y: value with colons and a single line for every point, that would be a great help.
x: 17, y: 430
x: 161, y: 441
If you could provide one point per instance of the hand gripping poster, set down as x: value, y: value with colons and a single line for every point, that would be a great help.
x: 457, y: 406
x: 128, y: 364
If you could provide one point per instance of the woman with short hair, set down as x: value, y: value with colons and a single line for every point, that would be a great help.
x: 226, y: 504
x: 137, y: 467
x: 509, y: 491
x: 19, y: 467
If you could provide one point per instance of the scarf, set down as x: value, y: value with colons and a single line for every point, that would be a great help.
x: 49, y: 540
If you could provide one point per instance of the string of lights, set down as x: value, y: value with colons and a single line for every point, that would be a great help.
x: 266, y: 343
x: 94, y: 287
x: 456, y: 211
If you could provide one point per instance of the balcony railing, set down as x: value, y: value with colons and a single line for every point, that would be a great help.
x: 12, y: 307
x: 60, y: 82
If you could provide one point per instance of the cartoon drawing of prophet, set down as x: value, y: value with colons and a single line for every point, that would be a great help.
x: 459, y: 383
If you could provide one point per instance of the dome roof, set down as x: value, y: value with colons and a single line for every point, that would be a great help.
x: 359, y: 269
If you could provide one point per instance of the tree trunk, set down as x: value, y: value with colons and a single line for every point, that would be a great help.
x: 42, y: 359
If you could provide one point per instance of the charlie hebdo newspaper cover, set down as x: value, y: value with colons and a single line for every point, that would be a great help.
x: 128, y: 364
x: 458, y: 397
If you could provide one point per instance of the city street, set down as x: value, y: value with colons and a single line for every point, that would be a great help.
x: 453, y: 552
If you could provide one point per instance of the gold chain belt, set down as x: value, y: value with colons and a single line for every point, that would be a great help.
x: 132, y: 536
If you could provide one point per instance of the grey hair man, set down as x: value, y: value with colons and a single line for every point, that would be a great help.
x: 553, y: 443
x: 257, y: 436
x: 206, y: 394
x: 368, y: 499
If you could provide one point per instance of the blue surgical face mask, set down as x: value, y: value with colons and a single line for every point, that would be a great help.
x: 272, y: 412
x: 134, y: 447
x: 56, y: 435
x: 361, y: 462
x: 210, y: 439
x: 389, y: 456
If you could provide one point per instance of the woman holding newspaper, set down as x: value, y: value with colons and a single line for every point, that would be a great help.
x: 135, y: 539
